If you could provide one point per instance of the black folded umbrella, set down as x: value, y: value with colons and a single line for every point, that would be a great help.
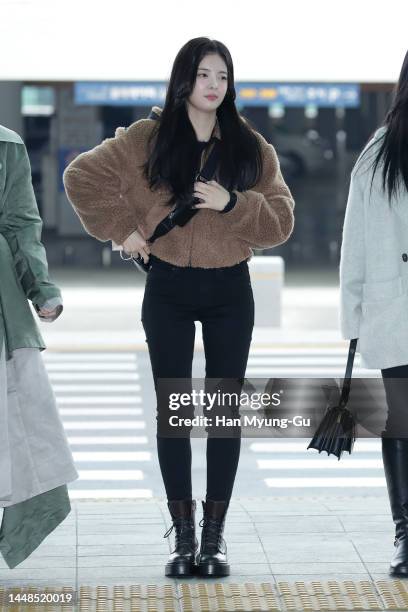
x: 336, y: 432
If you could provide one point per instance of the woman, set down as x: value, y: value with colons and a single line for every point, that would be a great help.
x: 374, y: 290
x: 35, y: 459
x: 121, y: 190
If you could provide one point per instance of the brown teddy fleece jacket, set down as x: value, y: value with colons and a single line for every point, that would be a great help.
x: 107, y: 189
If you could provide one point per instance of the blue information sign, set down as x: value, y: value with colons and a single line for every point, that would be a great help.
x: 145, y: 93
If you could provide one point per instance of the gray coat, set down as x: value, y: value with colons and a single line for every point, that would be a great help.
x: 374, y: 267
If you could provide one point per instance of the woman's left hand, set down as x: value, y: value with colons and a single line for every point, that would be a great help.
x: 47, y: 313
x: 213, y: 194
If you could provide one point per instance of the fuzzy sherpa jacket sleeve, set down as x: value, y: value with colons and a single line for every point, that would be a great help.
x: 263, y: 216
x: 352, y: 260
x: 96, y: 183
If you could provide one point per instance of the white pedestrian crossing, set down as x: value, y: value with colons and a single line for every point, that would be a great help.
x: 53, y: 357
x: 288, y: 446
x: 300, y: 483
x: 293, y: 362
x: 99, y: 388
x: 130, y: 493
x: 275, y: 460
x: 91, y: 366
x: 99, y: 396
x: 111, y: 456
x: 64, y: 400
x: 99, y: 399
x: 89, y: 425
x: 100, y: 411
x: 106, y: 440
x: 111, y: 474
x: 92, y: 376
x: 277, y: 466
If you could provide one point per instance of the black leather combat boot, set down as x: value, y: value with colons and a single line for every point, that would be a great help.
x: 182, y: 560
x: 212, y: 558
x: 395, y: 459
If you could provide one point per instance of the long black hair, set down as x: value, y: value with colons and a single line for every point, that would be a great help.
x: 173, y: 159
x: 393, y: 151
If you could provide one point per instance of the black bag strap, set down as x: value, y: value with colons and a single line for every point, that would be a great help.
x: 181, y: 214
x: 345, y: 392
x: 174, y: 217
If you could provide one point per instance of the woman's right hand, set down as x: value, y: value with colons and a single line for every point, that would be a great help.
x: 136, y: 244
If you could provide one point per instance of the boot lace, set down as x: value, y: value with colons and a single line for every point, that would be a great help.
x: 184, y: 534
x: 212, y: 535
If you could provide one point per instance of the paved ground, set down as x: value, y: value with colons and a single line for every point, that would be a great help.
x: 271, y: 540
x: 268, y: 537
x: 295, y: 515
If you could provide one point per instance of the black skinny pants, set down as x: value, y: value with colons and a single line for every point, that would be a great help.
x: 222, y: 300
x: 396, y: 390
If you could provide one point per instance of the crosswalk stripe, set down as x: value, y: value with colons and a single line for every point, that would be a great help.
x: 286, y: 372
x: 295, y: 360
x: 110, y: 474
x: 370, y: 446
x: 298, y: 483
x: 324, y: 463
x: 100, y: 412
x: 86, y: 366
x: 91, y: 399
x: 109, y: 493
x: 303, y: 362
x: 298, y: 350
x: 92, y: 376
x: 102, y: 388
x: 50, y: 356
x: 106, y: 440
x: 112, y: 456
x: 104, y: 425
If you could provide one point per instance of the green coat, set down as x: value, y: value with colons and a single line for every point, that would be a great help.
x: 23, y: 276
x: 23, y: 262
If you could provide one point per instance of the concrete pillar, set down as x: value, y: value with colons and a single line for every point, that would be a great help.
x: 267, y: 276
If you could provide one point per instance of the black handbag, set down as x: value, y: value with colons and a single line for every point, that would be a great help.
x: 183, y: 212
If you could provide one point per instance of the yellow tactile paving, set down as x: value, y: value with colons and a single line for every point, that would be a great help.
x: 282, y: 596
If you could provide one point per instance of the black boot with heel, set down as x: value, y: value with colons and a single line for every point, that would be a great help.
x: 182, y: 560
x: 395, y: 459
x: 212, y: 558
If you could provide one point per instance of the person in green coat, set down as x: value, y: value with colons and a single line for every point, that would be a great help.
x: 35, y: 459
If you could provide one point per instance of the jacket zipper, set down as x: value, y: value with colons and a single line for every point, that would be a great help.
x: 192, y: 220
